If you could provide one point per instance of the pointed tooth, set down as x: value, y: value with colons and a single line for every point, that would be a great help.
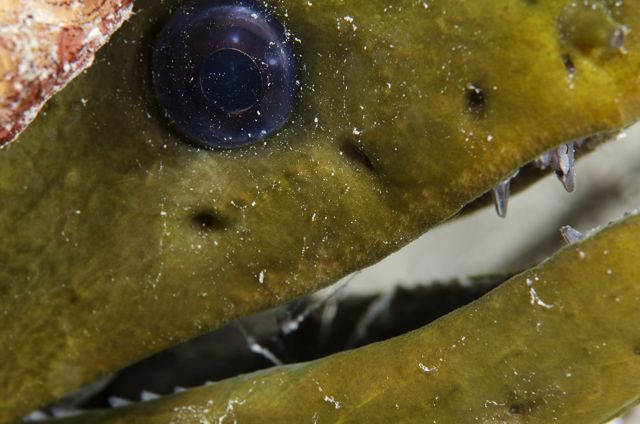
x: 118, y: 402
x: 146, y: 395
x: 36, y: 415
x: 562, y: 162
x: 570, y: 234
x: 179, y: 389
x: 500, y: 194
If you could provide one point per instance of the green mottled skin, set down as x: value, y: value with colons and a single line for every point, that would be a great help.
x: 84, y: 293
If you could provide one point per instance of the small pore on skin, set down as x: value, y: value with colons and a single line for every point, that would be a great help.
x: 568, y: 64
x: 515, y: 409
x: 475, y: 98
x: 209, y: 220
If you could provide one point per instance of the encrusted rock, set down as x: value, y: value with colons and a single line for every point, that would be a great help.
x: 43, y: 45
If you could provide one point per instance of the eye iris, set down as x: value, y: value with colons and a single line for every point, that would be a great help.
x: 224, y: 73
x: 231, y: 80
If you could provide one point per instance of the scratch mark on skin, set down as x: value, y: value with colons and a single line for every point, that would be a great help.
x: 165, y: 233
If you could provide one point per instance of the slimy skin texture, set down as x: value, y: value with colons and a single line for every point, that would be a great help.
x: 558, y: 343
x: 120, y: 239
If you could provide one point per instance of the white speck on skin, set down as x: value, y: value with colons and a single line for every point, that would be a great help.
x: 329, y: 399
x: 425, y: 368
x: 229, y: 410
x: 261, y: 276
x: 332, y: 400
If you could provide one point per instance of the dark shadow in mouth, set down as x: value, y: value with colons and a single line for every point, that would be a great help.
x: 330, y: 325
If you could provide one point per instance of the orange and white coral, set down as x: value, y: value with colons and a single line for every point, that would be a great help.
x: 43, y: 45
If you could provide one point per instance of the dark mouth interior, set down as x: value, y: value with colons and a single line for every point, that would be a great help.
x: 309, y: 328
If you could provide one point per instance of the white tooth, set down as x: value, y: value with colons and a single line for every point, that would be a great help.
x: 146, y: 395
x: 62, y: 412
x: 570, y: 234
x: 562, y: 162
x: 118, y: 402
x: 544, y: 160
x: 500, y: 194
x: 36, y: 415
x: 179, y: 389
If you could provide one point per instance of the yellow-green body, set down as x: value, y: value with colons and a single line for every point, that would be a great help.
x: 102, y: 260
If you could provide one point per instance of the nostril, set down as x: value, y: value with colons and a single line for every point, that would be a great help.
x: 354, y: 153
x: 568, y: 64
x: 515, y: 409
x: 209, y: 220
x: 476, y: 98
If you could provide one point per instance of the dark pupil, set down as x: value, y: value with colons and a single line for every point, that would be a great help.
x: 224, y: 72
x: 230, y: 79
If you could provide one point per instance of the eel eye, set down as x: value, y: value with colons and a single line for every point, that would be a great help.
x: 224, y: 72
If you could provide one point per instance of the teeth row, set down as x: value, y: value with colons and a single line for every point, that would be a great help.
x: 114, y: 401
x: 145, y: 395
x: 561, y: 159
x: 56, y: 412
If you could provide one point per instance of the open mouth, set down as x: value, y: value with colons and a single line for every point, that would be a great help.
x: 224, y: 158
x: 309, y: 328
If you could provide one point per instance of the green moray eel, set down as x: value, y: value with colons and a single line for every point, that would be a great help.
x: 120, y: 239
